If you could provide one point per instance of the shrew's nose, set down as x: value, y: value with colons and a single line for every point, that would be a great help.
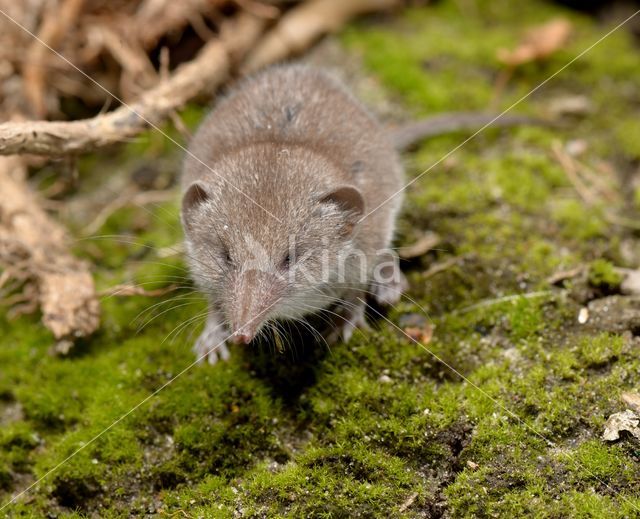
x: 255, y: 293
x: 243, y: 337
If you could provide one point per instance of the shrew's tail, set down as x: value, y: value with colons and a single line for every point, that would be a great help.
x: 404, y: 137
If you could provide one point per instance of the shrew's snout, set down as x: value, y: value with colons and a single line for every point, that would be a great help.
x: 256, y: 293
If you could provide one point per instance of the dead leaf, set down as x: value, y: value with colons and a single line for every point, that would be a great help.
x: 424, y: 244
x: 422, y: 335
x: 624, y: 421
x: 577, y: 105
x: 632, y: 400
x: 408, y: 502
x: 538, y: 43
x: 631, y: 281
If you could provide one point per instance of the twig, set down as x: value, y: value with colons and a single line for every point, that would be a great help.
x: 204, y: 73
x: 423, y: 245
x: 129, y: 197
x: 557, y: 277
x: 164, y: 63
x: 62, y: 284
x: 600, y: 184
x: 137, y: 70
x: 54, y: 28
x: 155, y: 18
x: 622, y: 221
x: 300, y: 27
x: 201, y: 75
x: 305, y: 23
x: 441, y: 267
x: 570, y: 169
x: 180, y: 125
x: 505, y: 299
x: 270, y: 12
x: 591, y: 198
x: 200, y: 27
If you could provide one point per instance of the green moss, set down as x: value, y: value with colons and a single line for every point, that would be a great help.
x: 525, y: 179
x: 163, y: 142
x: 598, y: 462
x: 628, y: 135
x: 526, y: 317
x: 589, y: 504
x: 601, y: 349
x: 603, y: 275
x: 577, y: 221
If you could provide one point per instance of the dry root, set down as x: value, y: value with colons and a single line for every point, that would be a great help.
x: 33, y: 250
x: 200, y: 76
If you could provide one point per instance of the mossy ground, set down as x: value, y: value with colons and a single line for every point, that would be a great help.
x: 378, y: 426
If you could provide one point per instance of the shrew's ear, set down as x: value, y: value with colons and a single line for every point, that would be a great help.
x: 348, y: 199
x: 195, y: 195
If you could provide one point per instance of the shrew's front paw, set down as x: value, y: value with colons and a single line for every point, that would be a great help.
x: 211, y: 346
x: 390, y: 292
x: 355, y: 320
x: 352, y: 318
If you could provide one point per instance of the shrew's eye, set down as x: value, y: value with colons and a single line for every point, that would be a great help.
x: 227, y: 256
x: 286, y: 262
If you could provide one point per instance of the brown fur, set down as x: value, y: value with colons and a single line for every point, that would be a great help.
x: 289, y: 153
